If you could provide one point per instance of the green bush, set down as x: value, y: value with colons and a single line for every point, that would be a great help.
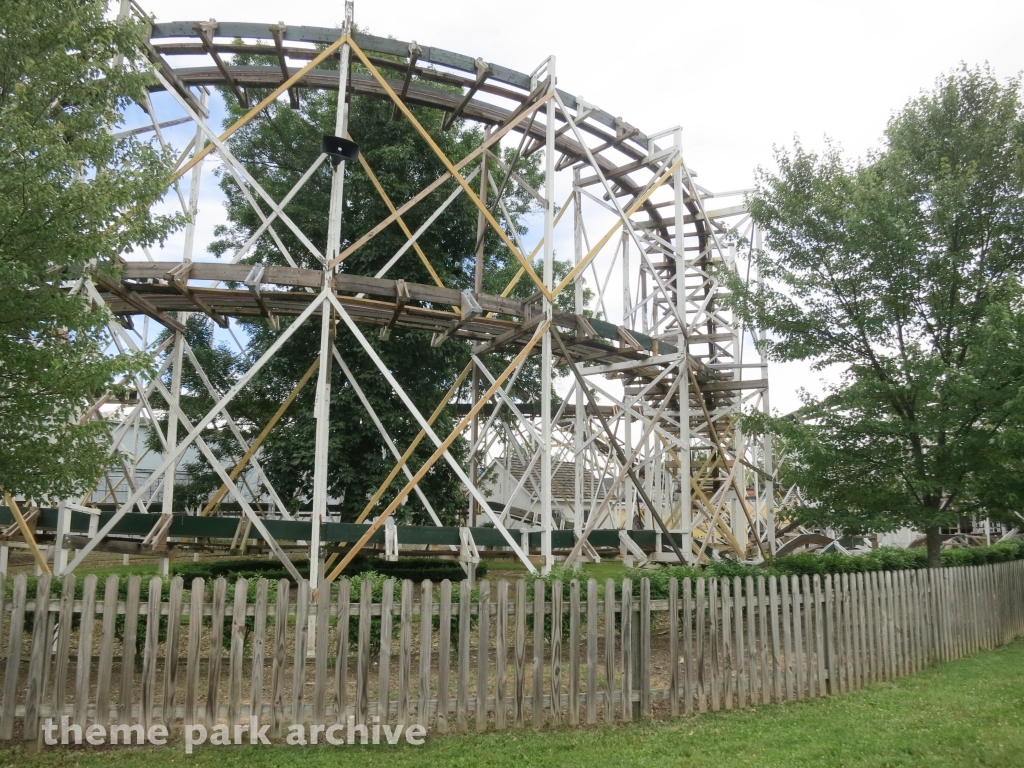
x: 810, y: 564
x: 559, y: 573
x: 252, y: 569
x: 419, y: 569
x: 377, y: 580
x: 57, y: 590
x: 415, y: 569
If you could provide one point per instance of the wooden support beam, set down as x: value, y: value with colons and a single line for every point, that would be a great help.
x: 436, y: 455
x: 12, y: 530
x: 452, y: 171
x: 171, y: 76
x: 483, y: 71
x: 260, y: 438
x: 525, y: 328
x: 401, y: 222
x: 241, y: 535
x: 278, y: 30
x: 178, y: 278
x: 156, y: 539
x: 206, y: 30
x: 735, y: 210
x: 147, y: 128
x: 626, y: 338
x: 613, y: 173
x: 402, y: 299
x: 252, y: 282
x: 27, y: 533
x: 145, y: 307
x: 470, y: 309
x: 414, y: 54
x: 419, y: 196
x: 372, y: 501
x: 623, y: 135
x: 269, y: 99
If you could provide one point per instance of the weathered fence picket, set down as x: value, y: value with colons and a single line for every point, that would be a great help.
x: 729, y: 643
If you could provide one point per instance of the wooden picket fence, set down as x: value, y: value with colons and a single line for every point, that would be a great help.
x: 417, y: 655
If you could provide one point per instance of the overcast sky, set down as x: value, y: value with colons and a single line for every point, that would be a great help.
x: 739, y: 77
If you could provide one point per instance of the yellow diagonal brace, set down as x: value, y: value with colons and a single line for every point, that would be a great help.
x: 466, y: 188
x: 260, y: 438
x: 459, y: 429
x: 604, y: 240
x: 29, y: 538
x: 401, y: 222
x: 372, y: 502
x: 515, y: 280
x: 412, y: 446
x: 436, y: 183
x: 240, y: 122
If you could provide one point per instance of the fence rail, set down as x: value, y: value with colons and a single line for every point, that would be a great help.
x: 452, y: 658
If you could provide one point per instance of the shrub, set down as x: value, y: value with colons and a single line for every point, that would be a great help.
x: 415, y: 569
x: 419, y: 569
x: 811, y: 564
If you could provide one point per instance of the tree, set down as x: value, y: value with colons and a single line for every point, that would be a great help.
x: 277, y: 148
x: 71, y: 196
x: 906, y: 269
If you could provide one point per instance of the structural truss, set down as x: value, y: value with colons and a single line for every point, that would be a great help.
x: 643, y: 452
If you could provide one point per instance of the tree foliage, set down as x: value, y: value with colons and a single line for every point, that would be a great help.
x: 71, y: 195
x: 906, y: 270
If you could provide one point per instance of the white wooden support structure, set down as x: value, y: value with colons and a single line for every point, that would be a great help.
x: 657, y: 348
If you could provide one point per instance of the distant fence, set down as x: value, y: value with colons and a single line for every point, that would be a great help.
x: 453, y: 659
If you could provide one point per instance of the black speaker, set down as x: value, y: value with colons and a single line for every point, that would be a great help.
x: 339, y: 149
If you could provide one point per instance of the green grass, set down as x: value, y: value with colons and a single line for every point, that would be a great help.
x: 969, y: 712
x: 606, y: 569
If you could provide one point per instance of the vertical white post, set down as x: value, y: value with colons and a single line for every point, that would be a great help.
x: 581, y: 397
x: 322, y: 411
x: 685, y: 494
x: 628, y: 491
x: 628, y: 313
x: 478, y: 286
x: 193, y: 190
x: 629, y: 321
x: 60, y: 554
x: 738, y: 519
x: 650, y: 473
x: 546, y: 371
x: 167, y: 502
x: 322, y: 407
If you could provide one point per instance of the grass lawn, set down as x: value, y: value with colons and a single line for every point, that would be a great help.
x: 969, y: 712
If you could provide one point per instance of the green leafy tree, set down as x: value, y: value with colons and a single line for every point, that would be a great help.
x: 277, y: 148
x: 71, y: 196
x: 906, y: 270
